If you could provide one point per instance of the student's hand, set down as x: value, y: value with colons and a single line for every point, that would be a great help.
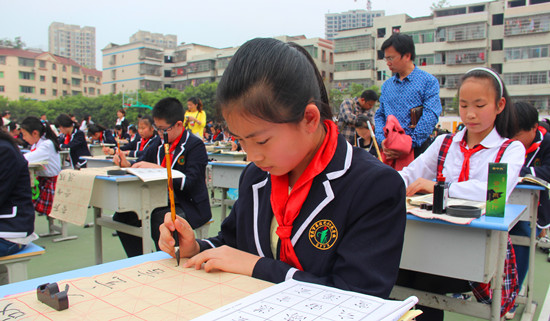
x: 146, y: 165
x: 108, y: 151
x: 191, y: 118
x: 390, y: 153
x: 120, y: 160
x: 187, y: 243
x: 421, y: 185
x: 224, y: 258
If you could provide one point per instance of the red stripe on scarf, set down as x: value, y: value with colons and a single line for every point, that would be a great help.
x: 286, y: 206
x: 172, y: 149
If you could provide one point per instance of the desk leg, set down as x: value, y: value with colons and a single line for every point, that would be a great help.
x: 97, y: 235
x: 533, y: 206
x: 496, y: 284
x: 146, y: 220
x: 224, y: 205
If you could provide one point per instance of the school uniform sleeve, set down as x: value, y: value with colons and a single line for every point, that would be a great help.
x: 77, y: 140
x: 109, y: 139
x: 195, y: 164
x: 540, y: 169
x: 42, y: 153
x: 131, y: 146
x: 425, y: 165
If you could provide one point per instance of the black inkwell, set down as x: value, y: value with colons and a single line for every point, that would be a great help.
x: 441, y: 193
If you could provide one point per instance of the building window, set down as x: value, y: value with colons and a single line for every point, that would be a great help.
x: 64, y: 68
x: 467, y: 32
x: 496, y: 45
x: 471, y: 56
x: 25, y: 62
x: 381, y: 32
x: 167, y: 73
x: 516, y: 3
x: 54, y: 92
x: 64, y: 81
x: 26, y: 89
x: 498, y: 19
x: 54, y: 67
x: 42, y: 91
x: 497, y: 68
x: 323, y: 56
x: 75, y: 81
x: 526, y: 78
x: 424, y: 60
x: 42, y: 78
x: 331, y: 58
x: 42, y: 63
x: 353, y: 43
x: 91, y: 91
x: 423, y: 36
x: 2, y: 60
x: 54, y: 80
x: 75, y: 69
x: 1, y: 74
x: 26, y: 75
x: 65, y: 93
x: 540, y: 51
x: 527, y: 24
x: 380, y: 54
x: 2, y: 89
x: 353, y: 65
x: 312, y: 50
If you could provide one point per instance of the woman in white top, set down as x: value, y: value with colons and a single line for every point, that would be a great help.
x: 44, y: 147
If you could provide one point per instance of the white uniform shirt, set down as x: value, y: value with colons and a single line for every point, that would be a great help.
x: 45, y: 151
x: 425, y: 166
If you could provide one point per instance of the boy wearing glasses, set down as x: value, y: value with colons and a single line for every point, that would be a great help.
x: 189, y: 157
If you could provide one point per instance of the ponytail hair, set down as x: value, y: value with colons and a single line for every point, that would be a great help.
x: 95, y: 128
x: 197, y: 101
x: 31, y: 123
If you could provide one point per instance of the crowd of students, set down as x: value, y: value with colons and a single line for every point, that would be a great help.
x: 311, y: 207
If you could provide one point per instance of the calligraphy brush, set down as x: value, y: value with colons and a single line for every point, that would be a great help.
x: 171, y: 194
x: 374, y: 140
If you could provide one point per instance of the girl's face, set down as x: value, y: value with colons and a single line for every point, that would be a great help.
x: 119, y: 114
x: 275, y: 148
x: 477, y: 107
x: 31, y: 138
x: 145, y: 130
x: 96, y: 136
x: 191, y: 106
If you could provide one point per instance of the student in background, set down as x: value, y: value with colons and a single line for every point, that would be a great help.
x: 16, y: 209
x: 195, y: 117
x: 310, y: 206
x: 189, y: 157
x: 44, y: 147
x: 137, y: 147
x: 462, y: 159
x: 15, y: 132
x: 71, y: 137
x: 121, y: 120
x: 133, y: 133
x: 119, y: 134
x: 87, y: 121
x: 363, y: 138
x: 99, y: 135
x: 536, y: 141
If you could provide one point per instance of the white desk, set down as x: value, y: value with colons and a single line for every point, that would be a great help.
x: 227, y: 156
x: 33, y: 168
x: 101, y: 161
x: 225, y: 176
x: 126, y: 193
x: 97, y: 149
x: 473, y: 252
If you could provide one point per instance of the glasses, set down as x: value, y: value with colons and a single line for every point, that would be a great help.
x: 161, y: 130
x: 390, y: 59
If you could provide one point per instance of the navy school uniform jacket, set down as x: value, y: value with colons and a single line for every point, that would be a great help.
x: 135, y: 145
x: 16, y: 208
x: 359, y: 199
x: 537, y: 163
x: 108, y: 137
x: 78, y: 147
x: 191, y: 193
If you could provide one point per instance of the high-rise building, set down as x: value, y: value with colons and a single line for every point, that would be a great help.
x: 73, y: 42
x: 511, y: 37
x: 44, y: 76
x: 157, y: 39
x: 353, y: 19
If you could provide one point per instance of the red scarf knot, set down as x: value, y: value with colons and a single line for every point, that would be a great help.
x: 284, y: 232
x: 465, y: 171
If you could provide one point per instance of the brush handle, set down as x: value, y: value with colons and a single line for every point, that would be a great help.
x: 169, y: 172
x: 374, y: 140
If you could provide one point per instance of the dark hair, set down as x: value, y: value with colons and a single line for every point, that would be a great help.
x: 361, y: 122
x: 369, y: 95
x: 169, y: 109
x: 31, y: 123
x: 6, y: 112
x: 118, y: 127
x: 87, y: 119
x: 12, y: 126
x: 132, y: 128
x: 527, y: 115
x: 122, y: 111
x: 506, y: 122
x: 273, y: 81
x: 95, y: 128
x: 402, y: 43
x: 197, y: 101
x: 64, y: 120
x: 147, y: 119
x: 6, y: 136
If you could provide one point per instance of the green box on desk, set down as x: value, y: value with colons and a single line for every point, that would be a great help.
x: 496, y: 190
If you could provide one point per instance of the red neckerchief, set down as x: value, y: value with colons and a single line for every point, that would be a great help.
x: 286, y: 206
x: 143, y: 143
x: 33, y: 148
x: 534, y: 146
x: 68, y: 138
x: 101, y: 137
x: 172, y: 149
x: 465, y: 171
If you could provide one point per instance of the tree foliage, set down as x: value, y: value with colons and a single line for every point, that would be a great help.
x: 17, y: 43
x: 439, y: 4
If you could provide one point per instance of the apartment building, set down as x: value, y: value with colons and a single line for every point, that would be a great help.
x: 512, y: 37
x: 144, y: 66
x: 44, y: 76
x: 73, y: 42
x: 157, y: 39
x: 353, y: 19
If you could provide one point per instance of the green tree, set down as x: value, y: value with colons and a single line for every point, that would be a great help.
x: 439, y: 4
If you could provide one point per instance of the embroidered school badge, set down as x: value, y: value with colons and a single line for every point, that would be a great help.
x: 323, y: 234
x: 181, y: 160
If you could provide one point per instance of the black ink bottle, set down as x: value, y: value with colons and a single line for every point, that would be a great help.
x: 441, y: 193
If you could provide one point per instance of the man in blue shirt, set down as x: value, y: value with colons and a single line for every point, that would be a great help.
x: 408, y: 88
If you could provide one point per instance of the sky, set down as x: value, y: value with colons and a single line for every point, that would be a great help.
x: 213, y: 23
